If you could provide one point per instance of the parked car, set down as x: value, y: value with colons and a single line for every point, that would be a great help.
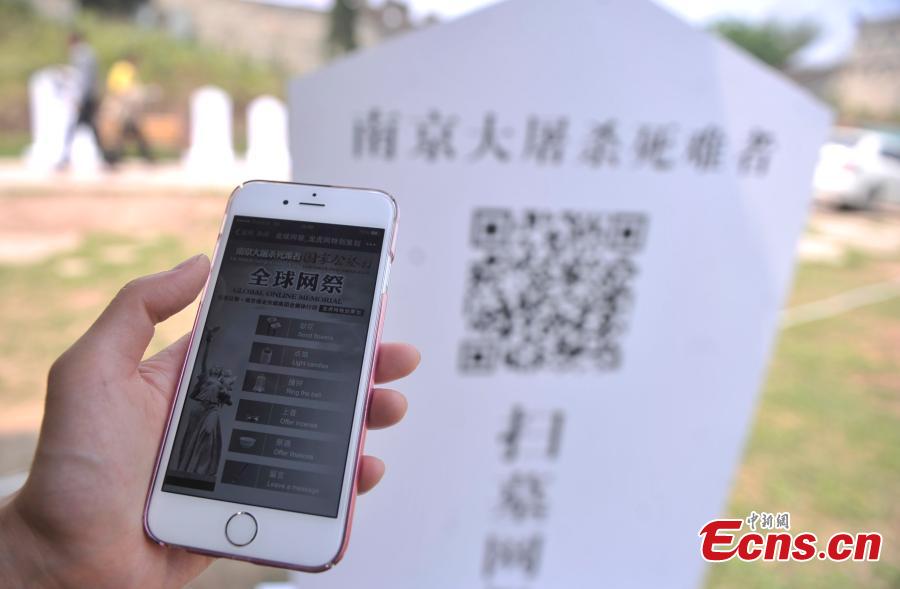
x: 858, y: 168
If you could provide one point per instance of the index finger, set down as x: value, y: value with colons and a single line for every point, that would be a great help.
x: 395, y: 360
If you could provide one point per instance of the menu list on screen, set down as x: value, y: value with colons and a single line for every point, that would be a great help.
x: 271, y: 397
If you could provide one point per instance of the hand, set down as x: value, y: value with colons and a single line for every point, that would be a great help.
x: 77, y: 522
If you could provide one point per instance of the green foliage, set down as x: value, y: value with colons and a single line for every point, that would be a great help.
x: 121, y: 7
x: 342, y: 35
x: 772, y: 42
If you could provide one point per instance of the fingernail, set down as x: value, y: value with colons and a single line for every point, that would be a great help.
x: 188, y: 262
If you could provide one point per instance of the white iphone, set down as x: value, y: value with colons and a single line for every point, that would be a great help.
x: 260, y: 457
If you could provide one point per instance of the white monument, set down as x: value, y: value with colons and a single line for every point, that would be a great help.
x: 599, y: 206
x: 268, y: 157
x: 51, y: 112
x: 85, y: 158
x: 211, y: 151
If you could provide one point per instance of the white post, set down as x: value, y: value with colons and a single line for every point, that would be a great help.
x: 211, y: 136
x: 52, y: 111
x: 267, y: 141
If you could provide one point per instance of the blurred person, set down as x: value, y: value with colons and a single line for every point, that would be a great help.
x: 125, y: 99
x: 77, y: 521
x: 83, y: 62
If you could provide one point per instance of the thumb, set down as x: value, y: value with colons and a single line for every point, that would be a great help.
x: 116, y: 342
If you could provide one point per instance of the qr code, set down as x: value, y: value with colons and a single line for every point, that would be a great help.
x: 549, y: 289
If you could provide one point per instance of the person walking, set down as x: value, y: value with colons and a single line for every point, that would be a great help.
x: 125, y: 98
x: 84, y: 65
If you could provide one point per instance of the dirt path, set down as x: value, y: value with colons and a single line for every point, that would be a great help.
x: 38, y: 224
x: 831, y: 234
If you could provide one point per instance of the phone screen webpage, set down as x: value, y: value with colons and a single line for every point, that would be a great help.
x: 270, y: 403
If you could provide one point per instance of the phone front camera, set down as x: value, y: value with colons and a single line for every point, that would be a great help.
x: 284, y: 202
x: 314, y: 194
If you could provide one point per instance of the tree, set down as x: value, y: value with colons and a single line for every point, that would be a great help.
x: 342, y: 37
x: 772, y: 42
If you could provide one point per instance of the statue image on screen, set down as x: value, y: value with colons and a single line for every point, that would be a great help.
x: 200, y: 450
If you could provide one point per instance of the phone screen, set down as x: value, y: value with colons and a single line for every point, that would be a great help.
x: 270, y: 403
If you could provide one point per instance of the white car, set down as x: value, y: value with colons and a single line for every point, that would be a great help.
x: 858, y: 168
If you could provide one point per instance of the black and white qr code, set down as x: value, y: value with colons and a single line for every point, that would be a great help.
x: 549, y: 289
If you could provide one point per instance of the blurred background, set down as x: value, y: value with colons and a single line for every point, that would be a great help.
x: 124, y: 124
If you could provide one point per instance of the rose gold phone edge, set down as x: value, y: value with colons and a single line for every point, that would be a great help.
x: 382, y: 305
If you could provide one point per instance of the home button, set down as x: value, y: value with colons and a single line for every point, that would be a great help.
x: 241, y: 528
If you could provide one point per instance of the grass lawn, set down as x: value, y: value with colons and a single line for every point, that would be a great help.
x: 47, y: 305
x: 98, y: 242
x: 825, y: 444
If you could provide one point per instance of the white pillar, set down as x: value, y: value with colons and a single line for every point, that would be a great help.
x: 211, y: 136
x: 268, y: 157
x: 51, y: 104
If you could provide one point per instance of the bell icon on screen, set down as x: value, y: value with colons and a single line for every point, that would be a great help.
x: 259, y: 385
